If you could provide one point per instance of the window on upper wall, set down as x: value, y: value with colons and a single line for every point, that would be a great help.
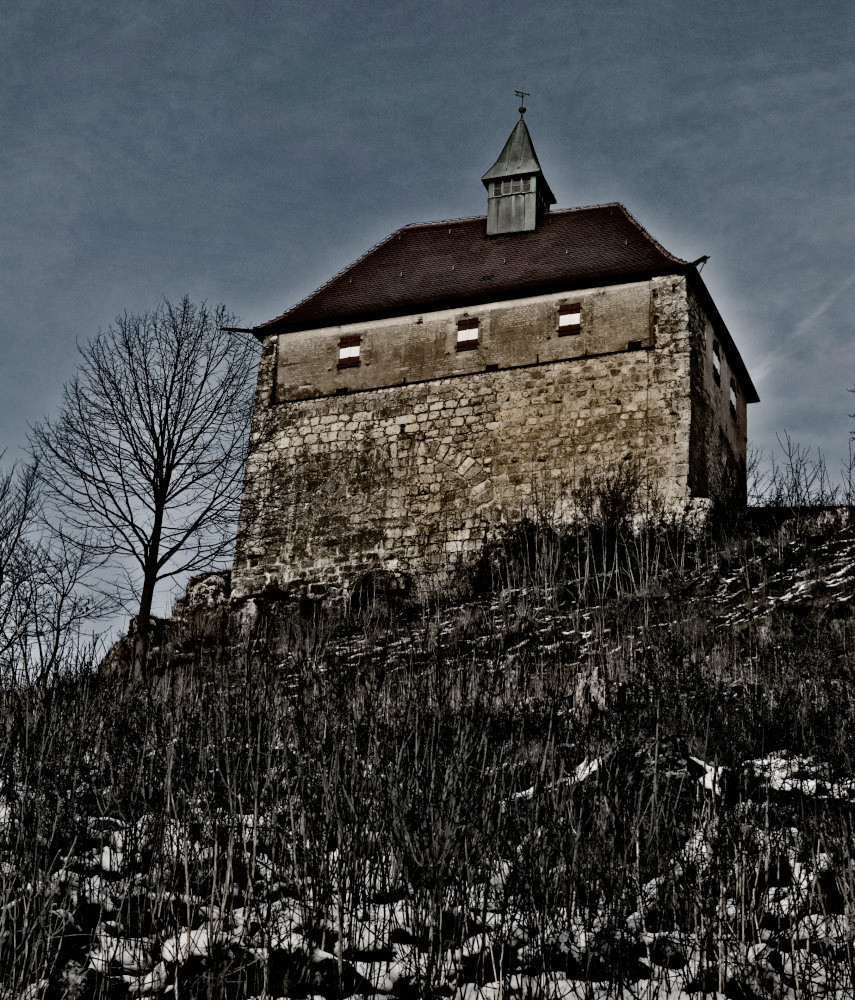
x: 467, y: 334
x: 716, y: 362
x: 569, y: 320
x: 514, y: 185
x: 348, y: 352
x: 733, y: 398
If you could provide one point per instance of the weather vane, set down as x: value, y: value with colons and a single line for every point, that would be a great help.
x: 522, y: 95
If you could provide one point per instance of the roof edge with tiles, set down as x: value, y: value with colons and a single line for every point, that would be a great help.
x: 281, y: 324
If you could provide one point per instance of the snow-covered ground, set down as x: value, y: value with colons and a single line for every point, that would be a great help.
x: 538, y: 858
x: 118, y: 929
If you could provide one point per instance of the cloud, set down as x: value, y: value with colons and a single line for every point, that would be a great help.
x: 807, y: 323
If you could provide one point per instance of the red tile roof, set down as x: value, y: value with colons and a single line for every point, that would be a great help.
x: 437, y: 265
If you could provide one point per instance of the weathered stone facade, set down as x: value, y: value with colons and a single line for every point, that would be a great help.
x: 462, y: 375
x: 408, y: 476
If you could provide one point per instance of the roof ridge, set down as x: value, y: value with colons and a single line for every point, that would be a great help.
x: 473, y: 218
x: 441, y: 222
x: 554, y: 211
x: 587, y: 208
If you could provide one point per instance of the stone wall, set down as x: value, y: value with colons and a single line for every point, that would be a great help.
x: 407, y: 349
x: 407, y: 478
x: 719, y: 416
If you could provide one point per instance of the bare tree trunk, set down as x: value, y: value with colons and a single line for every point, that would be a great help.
x: 142, y: 638
x: 142, y: 632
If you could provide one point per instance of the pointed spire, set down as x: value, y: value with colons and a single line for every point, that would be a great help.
x: 516, y: 188
x: 518, y: 156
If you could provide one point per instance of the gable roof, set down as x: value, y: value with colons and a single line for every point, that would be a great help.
x: 440, y: 265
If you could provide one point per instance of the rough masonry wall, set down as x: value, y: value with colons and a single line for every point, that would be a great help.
x: 719, y: 434
x: 408, y: 478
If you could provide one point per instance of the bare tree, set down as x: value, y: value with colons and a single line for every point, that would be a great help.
x: 146, y: 455
x: 43, y: 600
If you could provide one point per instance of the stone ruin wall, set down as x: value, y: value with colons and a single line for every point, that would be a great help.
x: 719, y: 431
x: 409, y: 478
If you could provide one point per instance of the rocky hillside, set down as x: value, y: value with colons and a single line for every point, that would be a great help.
x: 599, y: 765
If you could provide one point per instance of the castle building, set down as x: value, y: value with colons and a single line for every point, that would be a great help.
x: 461, y: 372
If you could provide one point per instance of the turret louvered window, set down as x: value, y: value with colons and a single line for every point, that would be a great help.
x: 513, y: 185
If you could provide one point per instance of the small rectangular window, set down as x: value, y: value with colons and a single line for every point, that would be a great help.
x: 467, y: 334
x: 569, y: 319
x: 348, y: 352
x: 716, y: 362
x: 733, y: 398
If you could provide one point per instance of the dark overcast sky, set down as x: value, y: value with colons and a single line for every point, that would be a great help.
x: 245, y: 151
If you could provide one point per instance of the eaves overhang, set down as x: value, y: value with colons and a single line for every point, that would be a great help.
x: 277, y: 326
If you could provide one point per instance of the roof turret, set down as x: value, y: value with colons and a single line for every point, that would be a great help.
x: 517, y: 191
